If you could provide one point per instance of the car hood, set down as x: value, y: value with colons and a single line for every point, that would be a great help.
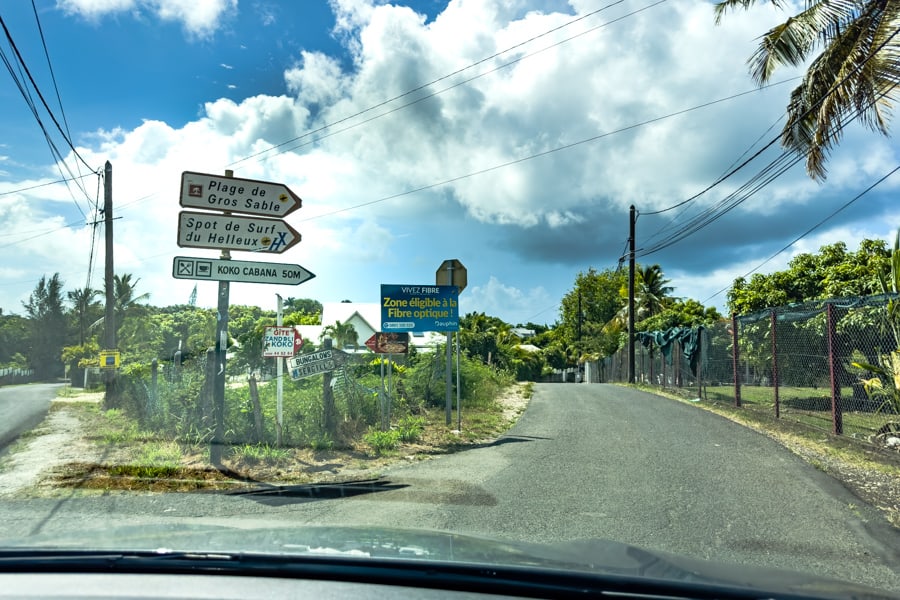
x: 589, y: 556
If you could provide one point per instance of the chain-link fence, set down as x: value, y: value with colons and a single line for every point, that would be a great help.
x: 833, y: 364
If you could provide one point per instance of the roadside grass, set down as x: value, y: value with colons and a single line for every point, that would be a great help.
x: 806, y: 405
x: 139, y: 460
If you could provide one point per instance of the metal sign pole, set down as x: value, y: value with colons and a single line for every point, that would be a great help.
x: 449, y: 402
x: 218, y: 441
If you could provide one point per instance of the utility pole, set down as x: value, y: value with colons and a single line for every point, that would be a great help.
x: 218, y: 441
x: 632, y: 217
x: 110, y: 399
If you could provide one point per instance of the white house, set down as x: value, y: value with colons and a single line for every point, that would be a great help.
x: 365, y: 318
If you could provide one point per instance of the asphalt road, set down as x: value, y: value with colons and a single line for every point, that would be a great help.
x: 583, y: 461
x: 22, y: 407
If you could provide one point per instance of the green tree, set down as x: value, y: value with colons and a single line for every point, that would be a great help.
x: 343, y: 334
x: 482, y: 336
x: 853, y: 75
x: 15, y: 340
x: 585, y: 310
x: 85, y: 310
x: 680, y: 313
x: 305, y: 305
x: 46, y: 314
x: 832, y: 272
x: 651, y: 294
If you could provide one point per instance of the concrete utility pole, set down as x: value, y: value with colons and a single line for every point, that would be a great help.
x: 109, y: 338
x: 632, y: 217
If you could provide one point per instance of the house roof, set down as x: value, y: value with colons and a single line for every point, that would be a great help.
x: 370, y: 314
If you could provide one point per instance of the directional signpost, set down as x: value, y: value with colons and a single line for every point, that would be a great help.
x: 307, y: 365
x: 215, y: 269
x: 226, y: 231
x: 233, y: 232
x: 230, y: 194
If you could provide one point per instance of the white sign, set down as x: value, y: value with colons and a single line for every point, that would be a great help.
x: 230, y: 194
x: 215, y: 269
x: 307, y: 365
x: 233, y: 232
x: 281, y: 342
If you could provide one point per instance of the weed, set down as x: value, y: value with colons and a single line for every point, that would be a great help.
x: 321, y: 442
x: 410, y: 429
x: 256, y: 453
x: 382, y: 441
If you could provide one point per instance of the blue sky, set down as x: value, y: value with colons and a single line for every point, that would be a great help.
x: 546, y: 121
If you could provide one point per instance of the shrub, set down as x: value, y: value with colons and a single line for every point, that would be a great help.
x: 410, y: 429
x: 382, y: 441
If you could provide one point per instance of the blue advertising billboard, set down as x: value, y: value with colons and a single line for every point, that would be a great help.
x: 419, y: 308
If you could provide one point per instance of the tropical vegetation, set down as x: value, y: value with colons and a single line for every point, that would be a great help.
x: 852, y: 75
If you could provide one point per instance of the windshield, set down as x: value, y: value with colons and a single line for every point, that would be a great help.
x: 349, y: 277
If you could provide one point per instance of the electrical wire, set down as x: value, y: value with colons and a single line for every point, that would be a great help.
x: 40, y: 185
x: 37, y: 90
x: 426, y: 85
x: 813, y: 228
x: 720, y: 209
x: 547, y: 152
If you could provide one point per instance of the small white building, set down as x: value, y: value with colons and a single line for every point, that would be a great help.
x: 365, y: 318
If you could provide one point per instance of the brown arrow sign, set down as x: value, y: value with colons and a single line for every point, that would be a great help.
x: 234, y: 232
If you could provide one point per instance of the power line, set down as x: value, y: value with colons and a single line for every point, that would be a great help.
x: 546, y: 152
x: 40, y: 185
x: 731, y: 201
x: 430, y: 83
x: 458, y: 84
x: 813, y: 228
x: 37, y: 90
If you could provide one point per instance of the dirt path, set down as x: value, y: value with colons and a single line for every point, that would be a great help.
x: 55, y: 442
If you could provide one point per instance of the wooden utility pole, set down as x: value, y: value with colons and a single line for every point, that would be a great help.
x: 632, y: 217
x: 109, y: 339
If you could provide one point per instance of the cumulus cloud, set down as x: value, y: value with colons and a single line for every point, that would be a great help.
x: 522, y: 164
x: 199, y: 17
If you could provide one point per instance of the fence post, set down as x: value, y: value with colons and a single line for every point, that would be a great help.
x: 837, y: 419
x: 735, y: 360
x: 773, y: 320
x: 699, y: 374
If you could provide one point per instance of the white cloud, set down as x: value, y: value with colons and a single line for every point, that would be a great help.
x: 199, y: 18
x: 523, y: 230
x: 520, y: 306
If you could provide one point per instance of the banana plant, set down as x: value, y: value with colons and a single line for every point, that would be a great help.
x: 888, y: 396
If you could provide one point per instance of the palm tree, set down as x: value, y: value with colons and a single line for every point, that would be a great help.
x: 651, y: 294
x: 124, y: 300
x: 853, y: 76
x: 343, y: 334
x: 83, y: 304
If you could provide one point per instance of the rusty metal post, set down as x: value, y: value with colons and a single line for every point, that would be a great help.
x: 735, y: 360
x: 775, y: 364
x: 837, y: 418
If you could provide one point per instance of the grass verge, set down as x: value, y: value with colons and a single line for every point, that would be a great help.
x: 136, y: 460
